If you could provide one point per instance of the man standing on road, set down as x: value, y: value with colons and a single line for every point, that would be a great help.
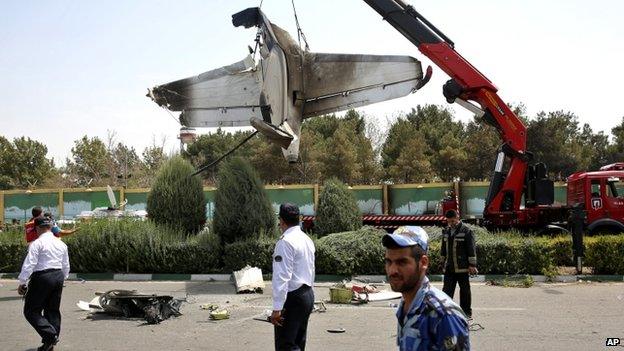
x: 460, y: 259
x: 47, y: 267
x: 293, y: 276
x: 427, y: 318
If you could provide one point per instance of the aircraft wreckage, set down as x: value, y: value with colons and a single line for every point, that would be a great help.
x: 286, y: 85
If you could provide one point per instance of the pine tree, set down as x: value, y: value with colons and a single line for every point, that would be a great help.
x: 337, y: 209
x: 177, y: 198
x: 242, y: 207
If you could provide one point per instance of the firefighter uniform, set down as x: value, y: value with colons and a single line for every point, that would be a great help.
x: 458, y: 253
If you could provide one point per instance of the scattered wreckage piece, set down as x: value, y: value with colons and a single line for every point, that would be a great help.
x: 357, y: 294
x: 249, y: 280
x: 152, y: 308
x: 218, y: 314
x: 286, y: 85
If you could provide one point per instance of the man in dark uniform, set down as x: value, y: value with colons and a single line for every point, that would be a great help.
x: 460, y: 259
x: 46, y: 266
x: 293, y: 276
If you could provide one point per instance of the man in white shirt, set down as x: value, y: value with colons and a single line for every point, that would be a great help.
x: 47, y: 267
x: 293, y: 276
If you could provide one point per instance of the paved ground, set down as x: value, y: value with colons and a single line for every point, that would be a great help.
x: 577, y: 316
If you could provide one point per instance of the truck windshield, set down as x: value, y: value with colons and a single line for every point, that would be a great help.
x: 614, y: 188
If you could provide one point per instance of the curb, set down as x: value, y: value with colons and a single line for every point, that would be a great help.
x: 321, y: 278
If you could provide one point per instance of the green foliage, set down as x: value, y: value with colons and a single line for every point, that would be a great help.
x: 128, y: 246
x: 242, y: 208
x: 23, y: 162
x: 209, y: 147
x: 351, y: 253
x: 562, y: 251
x: 177, y: 198
x: 89, y: 161
x: 256, y: 252
x: 605, y: 254
x: 337, y: 210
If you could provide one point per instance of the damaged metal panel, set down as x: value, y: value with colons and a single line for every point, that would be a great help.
x: 223, y: 97
x: 249, y: 279
x: 337, y: 82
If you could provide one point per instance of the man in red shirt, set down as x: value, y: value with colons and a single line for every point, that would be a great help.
x: 29, y: 228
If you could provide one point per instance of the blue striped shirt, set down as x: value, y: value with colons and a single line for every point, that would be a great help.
x: 433, y: 322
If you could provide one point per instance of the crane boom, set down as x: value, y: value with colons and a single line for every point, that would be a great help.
x: 468, y: 85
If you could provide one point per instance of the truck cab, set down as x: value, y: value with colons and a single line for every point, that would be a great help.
x: 601, y: 194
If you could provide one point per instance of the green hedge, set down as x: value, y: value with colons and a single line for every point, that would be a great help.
x: 256, y: 252
x: 142, y: 247
x: 357, y: 252
x: 605, y: 254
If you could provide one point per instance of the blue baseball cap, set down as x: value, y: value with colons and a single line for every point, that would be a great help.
x: 407, y: 236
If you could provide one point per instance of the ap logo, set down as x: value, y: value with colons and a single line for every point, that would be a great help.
x: 613, y: 342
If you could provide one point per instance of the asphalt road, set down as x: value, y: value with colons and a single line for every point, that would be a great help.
x: 579, y: 316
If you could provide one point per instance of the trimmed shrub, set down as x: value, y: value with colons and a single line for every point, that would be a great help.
x: 128, y: 246
x: 605, y: 254
x: 561, y: 248
x: 337, y: 210
x: 11, y: 256
x: 256, y: 252
x: 177, y: 199
x: 351, y: 253
x: 242, y: 207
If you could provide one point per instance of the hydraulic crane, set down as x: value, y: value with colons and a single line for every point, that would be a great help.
x: 474, y: 91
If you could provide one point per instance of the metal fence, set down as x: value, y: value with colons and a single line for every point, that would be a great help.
x: 399, y: 199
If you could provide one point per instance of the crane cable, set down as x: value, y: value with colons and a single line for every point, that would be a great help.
x: 300, y: 34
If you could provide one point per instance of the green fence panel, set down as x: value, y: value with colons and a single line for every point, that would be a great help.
x: 19, y: 206
x: 136, y: 201
x: 302, y: 197
x: 561, y: 194
x: 76, y: 202
x: 416, y: 200
x: 370, y: 201
x: 472, y: 198
x: 209, y: 195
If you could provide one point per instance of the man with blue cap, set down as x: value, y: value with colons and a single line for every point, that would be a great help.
x: 427, y: 318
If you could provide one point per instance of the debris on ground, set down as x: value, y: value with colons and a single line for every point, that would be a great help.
x: 249, y: 280
x: 347, y: 292
x: 319, y: 306
x: 336, y: 330
x: 131, y: 304
x: 209, y: 306
x: 218, y: 314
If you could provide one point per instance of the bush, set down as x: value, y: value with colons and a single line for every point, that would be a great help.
x: 256, y: 252
x: 128, y: 246
x: 605, y: 254
x: 561, y: 248
x: 351, y: 253
x: 242, y: 207
x: 337, y: 210
x: 177, y: 198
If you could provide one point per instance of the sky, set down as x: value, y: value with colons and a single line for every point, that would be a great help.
x: 70, y: 68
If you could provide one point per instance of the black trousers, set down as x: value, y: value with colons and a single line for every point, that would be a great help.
x: 450, y: 281
x: 297, y: 308
x: 43, y: 300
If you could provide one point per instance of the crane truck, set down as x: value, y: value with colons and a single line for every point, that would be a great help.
x: 520, y: 193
